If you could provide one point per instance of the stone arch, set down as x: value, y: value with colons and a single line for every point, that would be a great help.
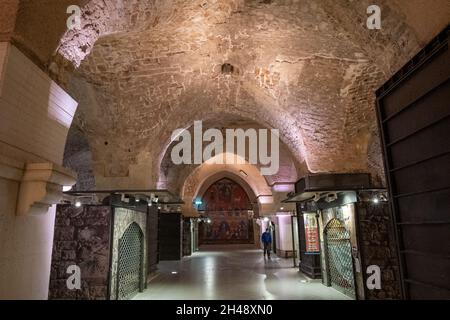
x: 254, y: 183
x: 78, y: 157
x: 289, y: 164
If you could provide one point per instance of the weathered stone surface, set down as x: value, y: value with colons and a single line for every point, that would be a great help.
x: 378, y: 248
x: 307, y: 68
x: 79, y: 242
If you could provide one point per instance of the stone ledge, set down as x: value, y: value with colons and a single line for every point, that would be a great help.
x: 41, y: 187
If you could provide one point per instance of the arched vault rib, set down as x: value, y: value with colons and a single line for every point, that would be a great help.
x: 254, y: 183
x: 171, y: 176
x: 289, y: 75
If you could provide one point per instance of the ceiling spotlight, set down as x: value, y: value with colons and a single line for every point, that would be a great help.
x: 266, y: 219
x: 174, y: 272
x: 78, y: 204
x: 125, y: 198
x: 282, y: 208
x: 67, y: 188
x: 137, y: 200
x: 149, y: 203
x: 376, y: 200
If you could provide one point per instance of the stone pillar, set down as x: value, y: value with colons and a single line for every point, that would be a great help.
x: 35, y: 115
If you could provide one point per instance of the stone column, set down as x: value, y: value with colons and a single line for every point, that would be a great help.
x: 35, y: 115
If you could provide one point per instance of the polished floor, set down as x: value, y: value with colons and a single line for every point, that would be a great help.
x: 233, y: 272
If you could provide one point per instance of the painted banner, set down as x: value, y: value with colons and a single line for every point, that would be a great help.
x: 229, y: 225
x: 311, y: 233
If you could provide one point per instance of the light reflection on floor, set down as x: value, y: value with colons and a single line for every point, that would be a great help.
x: 233, y: 272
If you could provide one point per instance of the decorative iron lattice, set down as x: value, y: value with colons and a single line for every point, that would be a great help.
x: 339, y: 258
x: 129, y: 269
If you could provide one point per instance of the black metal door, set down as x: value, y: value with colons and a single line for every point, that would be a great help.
x: 414, y: 117
x: 129, y: 269
x: 339, y: 258
x: 170, y: 236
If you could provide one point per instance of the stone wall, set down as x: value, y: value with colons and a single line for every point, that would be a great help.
x: 82, y: 238
x: 78, y: 157
x: 378, y: 248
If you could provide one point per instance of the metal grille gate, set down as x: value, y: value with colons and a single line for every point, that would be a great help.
x: 339, y: 258
x: 129, y: 270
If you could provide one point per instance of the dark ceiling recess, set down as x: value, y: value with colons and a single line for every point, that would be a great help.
x: 227, y: 68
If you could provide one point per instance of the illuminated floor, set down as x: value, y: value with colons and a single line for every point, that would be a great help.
x: 233, y: 272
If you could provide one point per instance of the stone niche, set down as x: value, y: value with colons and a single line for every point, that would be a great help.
x: 88, y: 237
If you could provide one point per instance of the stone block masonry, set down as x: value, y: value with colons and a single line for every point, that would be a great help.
x: 378, y: 248
x: 82, y: 238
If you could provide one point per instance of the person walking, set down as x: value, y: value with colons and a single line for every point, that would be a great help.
x: 266, y: 239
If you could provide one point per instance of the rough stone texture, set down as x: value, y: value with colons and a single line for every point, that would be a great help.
x: 123, y: 218
x: 8, y: 14
x: 145, y: 68
x: 82, y: 238
x: 307, y: 69
x: 378, y: 248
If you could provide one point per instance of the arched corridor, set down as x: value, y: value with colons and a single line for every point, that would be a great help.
x: 317, y: 130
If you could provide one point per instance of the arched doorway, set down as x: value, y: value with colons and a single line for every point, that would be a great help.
x: 339, y: 258
x: 227, y: 210
x: 130, y: 264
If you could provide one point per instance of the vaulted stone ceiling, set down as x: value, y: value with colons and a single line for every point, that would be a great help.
x: 141, y: 69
